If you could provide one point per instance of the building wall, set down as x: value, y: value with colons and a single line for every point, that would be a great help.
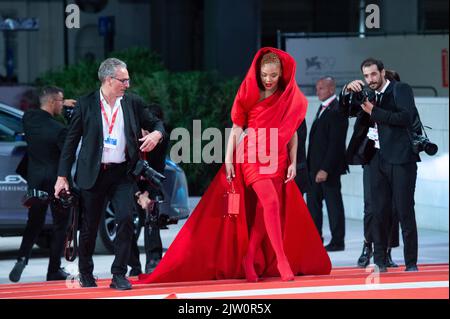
x: 132, y: 28
x: 39, y: 51
x: 35, y: 51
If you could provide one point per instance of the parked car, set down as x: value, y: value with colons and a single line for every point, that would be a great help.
x: 13, y: 215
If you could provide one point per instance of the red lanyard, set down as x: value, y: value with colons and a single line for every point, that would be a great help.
x: 113, y: 121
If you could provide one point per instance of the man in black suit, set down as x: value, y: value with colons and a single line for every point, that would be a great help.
x: 383, y: 140
x: 45, y: 138
x: 355, y: 158
x: 109, y: 121
x: 302, y: 179
x: 326, y: 163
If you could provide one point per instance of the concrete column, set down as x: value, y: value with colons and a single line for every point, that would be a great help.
x: 232, y: 35
x: 174, y: 32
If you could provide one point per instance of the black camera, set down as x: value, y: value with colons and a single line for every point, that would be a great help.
x: 422, y: 143
x: 35, y: 197
x: 143, y: 169
x: 67, y: 112
x: 66, y: 200
x: 151, y: 181
x: 38, y: 197
x: 358, y: 98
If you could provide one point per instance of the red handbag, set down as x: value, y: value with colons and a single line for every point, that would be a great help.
x: 231, y: 202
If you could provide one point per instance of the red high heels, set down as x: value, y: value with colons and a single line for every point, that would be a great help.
x: 285, y: 271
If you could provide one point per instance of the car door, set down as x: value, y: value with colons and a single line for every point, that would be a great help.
x: 13, y: 215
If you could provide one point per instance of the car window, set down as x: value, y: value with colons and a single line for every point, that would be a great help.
x: 10, y: 126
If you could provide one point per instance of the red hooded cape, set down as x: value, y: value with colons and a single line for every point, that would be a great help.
x: 211, y: 245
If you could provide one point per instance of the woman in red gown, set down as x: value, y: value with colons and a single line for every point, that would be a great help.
x: 273, y: 233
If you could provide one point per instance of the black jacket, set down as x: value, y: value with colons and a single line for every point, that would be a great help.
x: 326, y: 149
x: 45, y: 138
x: 394, y: 117
x: 302, y: 179
x: 86, y: 122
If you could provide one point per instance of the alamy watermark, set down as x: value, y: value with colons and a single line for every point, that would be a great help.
x: 261, y: 146
x: 73, y: 278
x: 373, y: 19
x: 373, y: 280
x: 73, y: 16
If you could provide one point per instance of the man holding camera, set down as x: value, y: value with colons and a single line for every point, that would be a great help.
x: 45, y: 138
x: 383, y: 140
x: 109, y: 121
x: 147, y: 196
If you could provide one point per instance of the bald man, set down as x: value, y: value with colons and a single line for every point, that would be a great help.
x: 326, y: 163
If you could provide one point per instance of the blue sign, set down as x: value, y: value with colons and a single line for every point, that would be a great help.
x: 105, y: 25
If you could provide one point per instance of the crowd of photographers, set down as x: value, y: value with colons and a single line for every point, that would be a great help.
x: 126, y: 167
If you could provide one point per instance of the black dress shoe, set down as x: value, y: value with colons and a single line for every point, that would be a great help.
x: 17, y: 270
x: 380, y: 268
x: 87, y: 281
x: 151, y: 265
x: 389, y: 261
x: 367, y: 253
x: 135, y: 272
x: 120, y: 282
x: 58, y: 275
x: 412, y: 268
x: 334, y: 247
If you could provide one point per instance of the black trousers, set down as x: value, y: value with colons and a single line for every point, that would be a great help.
x: 393, y: 184
x: 392, y: 224
x: 330, y: 191
x: 152, y: 246
x: 112, y: 184
x: 35, y: 223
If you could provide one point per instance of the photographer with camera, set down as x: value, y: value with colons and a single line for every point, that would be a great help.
x: 149, y: 193
x: 108, y: 122
x: 383, y: 140
x: 45, y: 138
x: 392, y: 224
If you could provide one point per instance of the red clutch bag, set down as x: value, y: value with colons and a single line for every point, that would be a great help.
x: 231, y: 202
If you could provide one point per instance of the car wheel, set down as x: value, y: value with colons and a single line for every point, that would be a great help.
x: 107, y: 231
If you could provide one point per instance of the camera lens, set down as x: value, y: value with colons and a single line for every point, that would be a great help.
x: 430, y: 148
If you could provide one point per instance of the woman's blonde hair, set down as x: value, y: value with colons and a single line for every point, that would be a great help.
x: 270, y: 57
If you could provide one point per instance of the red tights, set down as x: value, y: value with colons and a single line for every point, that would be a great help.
x: 267, y: 220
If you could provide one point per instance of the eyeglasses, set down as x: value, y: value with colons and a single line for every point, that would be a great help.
x: 123, y: 81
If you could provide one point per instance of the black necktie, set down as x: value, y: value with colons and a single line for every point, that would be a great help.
x: 378, y: 99
x: 321, y: 107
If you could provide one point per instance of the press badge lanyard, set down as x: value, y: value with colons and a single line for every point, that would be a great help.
x: 109, y: 142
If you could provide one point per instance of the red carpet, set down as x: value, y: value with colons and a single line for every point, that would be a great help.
x: 431, y: 282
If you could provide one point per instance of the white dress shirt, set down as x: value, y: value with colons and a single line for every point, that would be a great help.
x: 373, y: 132
x: 326, y: 103
x: 116, y: 155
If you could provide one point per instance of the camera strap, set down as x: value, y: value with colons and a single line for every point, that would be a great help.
x: 71, y: 241
x: 417, y: 123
